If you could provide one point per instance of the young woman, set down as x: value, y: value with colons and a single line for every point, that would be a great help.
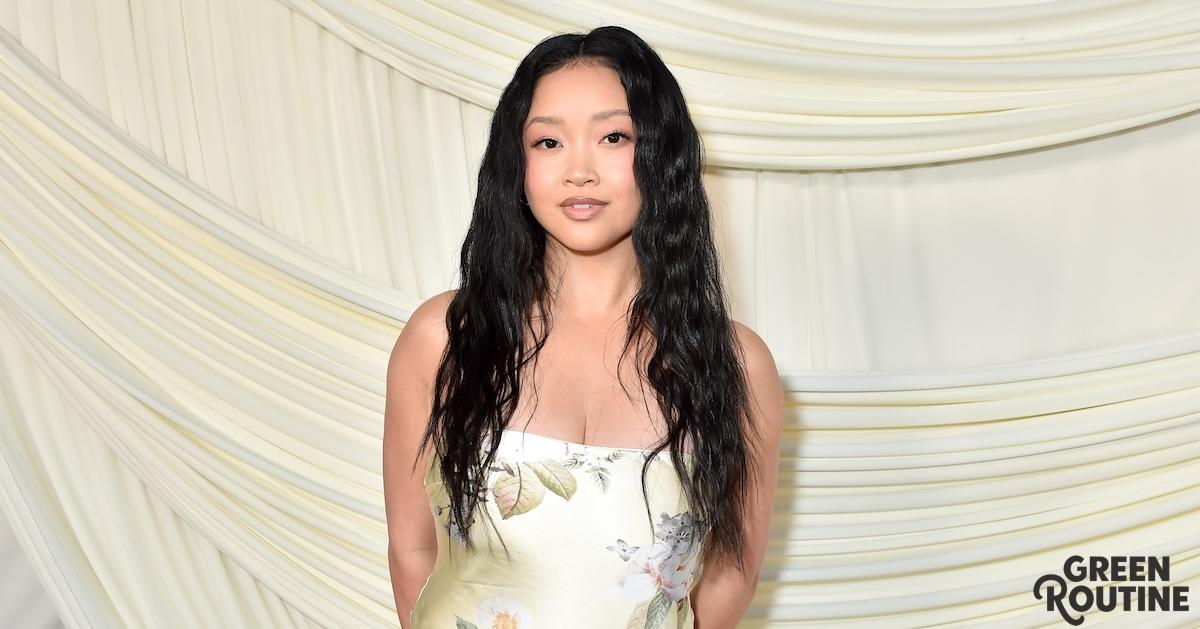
x: 584, y: 389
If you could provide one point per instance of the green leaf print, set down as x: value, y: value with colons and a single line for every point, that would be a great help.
x: 595, y: 466
x: 600, y: 475
x: 650, y: 614
x: 459, y: 623
x: 518, y: 492
x: 656, y: 612
x: 555, y: 477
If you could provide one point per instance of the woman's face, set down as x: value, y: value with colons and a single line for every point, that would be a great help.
x: 579, y: 142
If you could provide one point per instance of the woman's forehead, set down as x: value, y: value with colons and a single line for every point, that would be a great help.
x: 578, y: 94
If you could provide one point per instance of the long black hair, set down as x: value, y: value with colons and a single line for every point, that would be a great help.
x: 696, y: 367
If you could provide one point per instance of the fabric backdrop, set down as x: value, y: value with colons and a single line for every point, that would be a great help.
x: 968, y: 235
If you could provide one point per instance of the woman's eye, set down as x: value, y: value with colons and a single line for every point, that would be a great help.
x: 615, y: 134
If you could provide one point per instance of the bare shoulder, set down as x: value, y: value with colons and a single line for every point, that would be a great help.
x: 759, y: 360
x: 430, y: 316
x: 420, y: 343
x: 763, y: 378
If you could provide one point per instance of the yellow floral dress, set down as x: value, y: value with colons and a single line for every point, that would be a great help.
x: 583, y: 554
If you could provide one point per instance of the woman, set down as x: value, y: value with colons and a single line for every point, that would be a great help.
x: 604, y: 504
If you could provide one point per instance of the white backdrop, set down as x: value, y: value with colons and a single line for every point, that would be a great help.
x: 967, y: 235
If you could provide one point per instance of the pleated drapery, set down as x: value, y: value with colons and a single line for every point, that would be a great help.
x: 968, y: 236
x: 831, y: 85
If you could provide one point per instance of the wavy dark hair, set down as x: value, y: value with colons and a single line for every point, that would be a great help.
x: 696, y: 368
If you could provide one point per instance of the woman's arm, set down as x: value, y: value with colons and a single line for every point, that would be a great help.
x: 409, y: 571
x: 724, y: 593
x: 412, y: 539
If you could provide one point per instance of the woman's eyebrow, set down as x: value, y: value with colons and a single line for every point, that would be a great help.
x: 601, y: 115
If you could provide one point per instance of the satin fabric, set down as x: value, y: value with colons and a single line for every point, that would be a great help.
x: 582, y: 551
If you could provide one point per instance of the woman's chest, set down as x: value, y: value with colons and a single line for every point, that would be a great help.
x: 583, y: 390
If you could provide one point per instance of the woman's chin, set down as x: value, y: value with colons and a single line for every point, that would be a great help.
x: 588, y: 244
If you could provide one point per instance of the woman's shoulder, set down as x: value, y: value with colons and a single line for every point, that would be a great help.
x: 423, y: 337
x: 751, y: 342
x: 429, y: 318
x: 759, y: 362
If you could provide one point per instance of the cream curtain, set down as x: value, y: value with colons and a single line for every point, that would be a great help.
x: 969, y: 236
x: 806, y: 85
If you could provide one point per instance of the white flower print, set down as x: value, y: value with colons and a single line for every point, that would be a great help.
x: 667, y: 564
x: 501, y: 611
x: 623, y: 549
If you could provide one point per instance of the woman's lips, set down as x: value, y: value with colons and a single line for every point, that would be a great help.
x: 583, y: 213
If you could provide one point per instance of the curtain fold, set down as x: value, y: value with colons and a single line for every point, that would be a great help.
x: 818, y: 85
x: 215, y: 218
x: 1032, y: 469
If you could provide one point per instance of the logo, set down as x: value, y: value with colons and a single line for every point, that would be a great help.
x: 1106, y: 598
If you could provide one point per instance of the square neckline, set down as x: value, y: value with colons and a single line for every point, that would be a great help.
x: 585, y: 446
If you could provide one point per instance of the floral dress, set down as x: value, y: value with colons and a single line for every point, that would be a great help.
x: 582, y: 553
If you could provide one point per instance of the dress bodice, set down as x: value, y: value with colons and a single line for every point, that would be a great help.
x: 582, y: 552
